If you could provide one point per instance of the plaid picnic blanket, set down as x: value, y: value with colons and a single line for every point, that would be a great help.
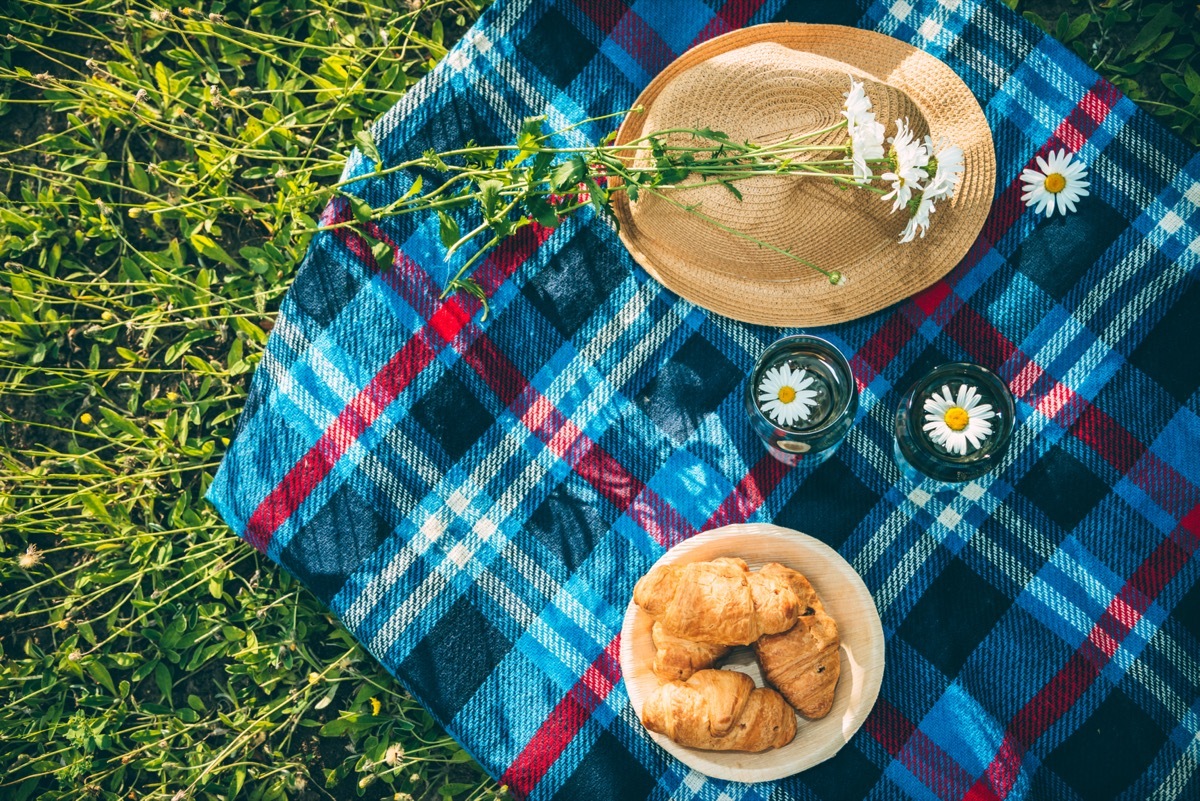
x: 475, y: 500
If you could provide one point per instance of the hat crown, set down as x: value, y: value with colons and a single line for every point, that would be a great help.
x: 766, y: 93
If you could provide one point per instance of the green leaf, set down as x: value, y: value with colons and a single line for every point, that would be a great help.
x: 138, y: 177
x: 362, y: 209
x: 529, y: 140
x: 540, y: 210
x: 489, y: 197
x: 597, y: 195
x: 414, y: 189
x: 144, y: 670
x: 384, y: 254
x: 1077, y: 27
x: 1060, y: 29
x: 1152, y: 30
x: 94, y: 506
x: 568, y: 174
x: 448, y: 230
x: 1192, y: 79
x: 533, y: 125
x: 541, y: 166
x: 205, y: 246
x: 366, y: 143
x: 162, y: 678
x: 100, y: 673
x: 119, y: 422
x: 1179, y: 52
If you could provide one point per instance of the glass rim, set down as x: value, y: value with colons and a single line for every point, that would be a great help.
x: 843, y: 364
x: 994, y: 383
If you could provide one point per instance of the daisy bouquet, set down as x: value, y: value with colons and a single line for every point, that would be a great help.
x: 483, y: 194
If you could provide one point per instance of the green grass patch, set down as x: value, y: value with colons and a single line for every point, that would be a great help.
x: 1150, y: 51
x: 163, y: 167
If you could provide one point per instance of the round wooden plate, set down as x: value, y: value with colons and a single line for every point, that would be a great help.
x: 846, y: 599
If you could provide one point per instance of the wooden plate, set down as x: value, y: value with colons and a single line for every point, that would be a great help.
x: 846, y: 599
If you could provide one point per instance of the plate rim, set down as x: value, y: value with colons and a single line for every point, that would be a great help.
x: 698, y: 759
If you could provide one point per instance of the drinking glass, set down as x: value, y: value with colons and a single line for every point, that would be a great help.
x: 954, y: 424
x: 815, y: 411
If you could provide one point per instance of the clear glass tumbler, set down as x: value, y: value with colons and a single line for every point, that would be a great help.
x: 801, y: 397
x: 954, y: 423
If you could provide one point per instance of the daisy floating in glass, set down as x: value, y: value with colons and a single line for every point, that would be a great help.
x: 801, y: 397
x: 954, y: 424
x: 1058, y: 187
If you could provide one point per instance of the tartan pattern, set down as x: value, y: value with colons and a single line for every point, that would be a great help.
x: 475, y: 500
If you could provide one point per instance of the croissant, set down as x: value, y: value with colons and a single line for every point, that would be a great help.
x: 677, y: 658
x: 803, y: 662
x: 719, y: 602
x: 720, y: 710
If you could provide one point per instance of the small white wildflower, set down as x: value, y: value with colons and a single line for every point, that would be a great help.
x: 1059, y: 185
x: 942, y: 186
x: 784, y: 394
x: 953, y: 421
x: 911, y: 157
x: 866, y: 133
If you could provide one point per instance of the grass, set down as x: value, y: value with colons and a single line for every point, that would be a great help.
x: 161, y: 172
x: 1150, y: 51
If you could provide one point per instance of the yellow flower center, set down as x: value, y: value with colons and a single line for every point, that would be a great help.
x: 957, y: 418
x: 1055, y: 183
x: 787, y: 394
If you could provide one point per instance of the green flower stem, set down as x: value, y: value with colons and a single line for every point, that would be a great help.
x: 832, y: 276
x: 491, y: 243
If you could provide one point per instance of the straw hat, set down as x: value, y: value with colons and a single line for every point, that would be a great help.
x: 766, y: 83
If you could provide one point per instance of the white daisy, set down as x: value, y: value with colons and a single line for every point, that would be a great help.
x: 948, y: 160
x: 866, y: 144
x: 911, y: 157
x: 784, y: 394
x: 1059, y: 185
x: 920, y: 219
x: 857, y: 105
x: 954, y: 421
x: 866, y: 133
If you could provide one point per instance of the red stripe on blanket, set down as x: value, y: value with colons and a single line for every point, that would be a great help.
x: 358, y: 415
x: 643, y: 43
x: 445, y: 323
x: 568, y: 717
x: 1101, y: 643
x: 733, y: 15
x: 749, y: 494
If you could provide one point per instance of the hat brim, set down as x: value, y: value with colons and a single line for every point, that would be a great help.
x: 893, y: 272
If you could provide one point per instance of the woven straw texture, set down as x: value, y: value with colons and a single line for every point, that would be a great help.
x: 475, y: 500
x: 767, y: 83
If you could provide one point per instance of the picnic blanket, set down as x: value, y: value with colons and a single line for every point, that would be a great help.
x: 475, y: 500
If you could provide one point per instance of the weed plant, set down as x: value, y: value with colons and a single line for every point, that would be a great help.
x: 162, y: 168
